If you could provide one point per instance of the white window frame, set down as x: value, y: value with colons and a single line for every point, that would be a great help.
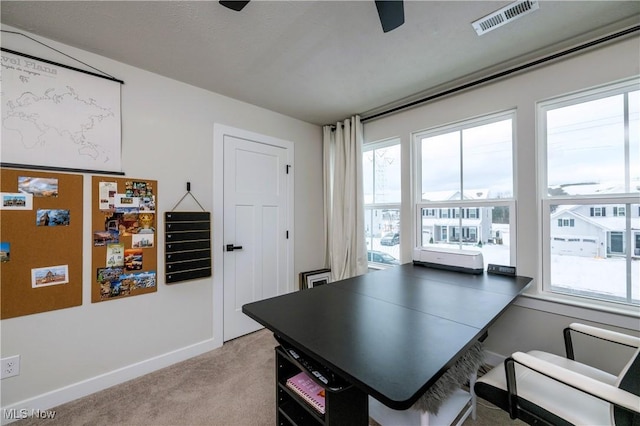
x: 372, y: 146
x: 462, y: 204
x: 599, y: 202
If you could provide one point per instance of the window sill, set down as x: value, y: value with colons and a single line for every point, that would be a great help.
x: 378, y: 266
x: 623, y: 316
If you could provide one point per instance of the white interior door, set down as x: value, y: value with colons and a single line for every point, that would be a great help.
x: 256, y: 235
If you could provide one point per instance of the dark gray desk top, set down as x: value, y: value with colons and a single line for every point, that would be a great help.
x: 391, y: 333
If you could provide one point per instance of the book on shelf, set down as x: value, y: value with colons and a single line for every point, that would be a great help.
x: 308, y: 390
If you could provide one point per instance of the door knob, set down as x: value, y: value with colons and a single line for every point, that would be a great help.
x: 231, y: 247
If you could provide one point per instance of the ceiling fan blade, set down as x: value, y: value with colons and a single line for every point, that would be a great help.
x: 391, y: 13
x: 234, y: 5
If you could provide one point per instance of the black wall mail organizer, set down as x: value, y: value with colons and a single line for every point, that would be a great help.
x: 187, y: 244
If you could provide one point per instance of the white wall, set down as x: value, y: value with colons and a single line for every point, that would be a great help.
x: 167, y: 135
x: 531, y: 323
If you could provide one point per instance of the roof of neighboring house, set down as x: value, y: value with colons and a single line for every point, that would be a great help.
x: 598, y: 188
x: 612, y: 223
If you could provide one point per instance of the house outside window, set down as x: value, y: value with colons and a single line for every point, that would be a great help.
x: 382, y: 199
x: 590, y: 152
x: 466, y: 171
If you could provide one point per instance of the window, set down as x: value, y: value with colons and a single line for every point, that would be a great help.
x: 466, y: 171
x: 618, y: 211
x: 566, y: 222
x: 591, y: 169
x: 381, y: 180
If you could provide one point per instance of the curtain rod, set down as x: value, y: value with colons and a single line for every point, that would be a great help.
x: 507, y: 72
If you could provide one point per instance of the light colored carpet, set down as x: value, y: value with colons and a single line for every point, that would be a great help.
x: 230, y: 386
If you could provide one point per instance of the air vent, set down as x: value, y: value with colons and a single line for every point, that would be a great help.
x: 504, y: 16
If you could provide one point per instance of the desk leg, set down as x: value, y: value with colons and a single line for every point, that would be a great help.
x: 347, y: 408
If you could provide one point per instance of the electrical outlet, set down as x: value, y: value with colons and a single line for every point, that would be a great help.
x: 10, y: 366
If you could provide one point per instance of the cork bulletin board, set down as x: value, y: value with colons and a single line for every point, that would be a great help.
x: 124, y: 237
x: 40, y: 242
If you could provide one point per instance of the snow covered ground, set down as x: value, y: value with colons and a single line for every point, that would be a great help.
x: 606, y: 277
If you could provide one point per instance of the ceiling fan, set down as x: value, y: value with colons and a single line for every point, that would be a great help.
x: 391, y: 12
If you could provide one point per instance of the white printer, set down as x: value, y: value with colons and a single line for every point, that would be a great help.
x: 469, y: 261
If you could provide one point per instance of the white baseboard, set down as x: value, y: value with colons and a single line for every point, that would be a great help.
x: 51, y: 399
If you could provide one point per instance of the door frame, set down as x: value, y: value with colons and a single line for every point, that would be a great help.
x: 219, y: 132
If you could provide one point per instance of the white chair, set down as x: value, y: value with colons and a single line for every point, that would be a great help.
x: 542, y: 388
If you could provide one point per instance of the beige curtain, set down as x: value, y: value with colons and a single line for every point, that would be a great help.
x: 346, y: 252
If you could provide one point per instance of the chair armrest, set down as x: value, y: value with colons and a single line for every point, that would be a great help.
x: 601, y: 333
x: 582, y: 383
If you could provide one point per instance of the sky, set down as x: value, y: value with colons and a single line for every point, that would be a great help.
x: 586, y: 143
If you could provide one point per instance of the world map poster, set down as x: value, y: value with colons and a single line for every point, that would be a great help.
x: 58, y: 117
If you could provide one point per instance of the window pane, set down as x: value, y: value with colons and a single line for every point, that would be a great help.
x: 488, y: 231
x: 382, y: 195
x: 593, y: 155
x: 381, y: 175
x: 367, y: 176
x: 386, y: 175
x: 487, y: 161
x: 590, y: 258
x: 634, y: 140
x: 441, y: 167
x: 585, y: 148
x: 382, y: 231
x: 464, y: 167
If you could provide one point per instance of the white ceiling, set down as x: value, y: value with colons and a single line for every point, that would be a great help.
x: 319, y: 61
